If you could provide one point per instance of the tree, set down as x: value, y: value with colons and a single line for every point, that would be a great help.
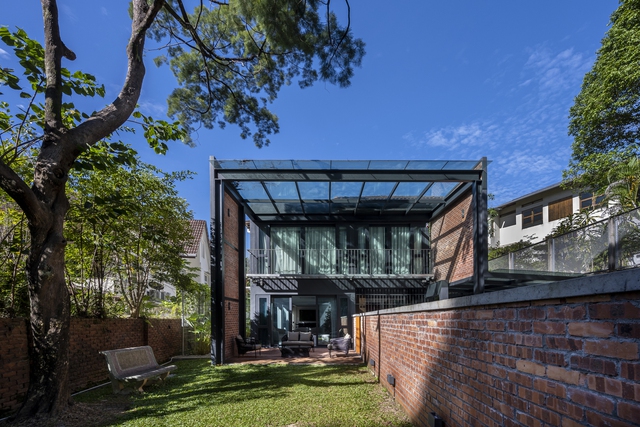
x: 606, y: 112
x: 605, y: 116
x: 108, y: 250
x: 624, y: 184
x: 230, y: 60
x: 151, y: 238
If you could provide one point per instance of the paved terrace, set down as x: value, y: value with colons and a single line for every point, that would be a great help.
x: 318, y: 356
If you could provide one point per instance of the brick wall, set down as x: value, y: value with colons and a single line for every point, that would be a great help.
x: 232, y: 282
x: 88, y: 338
x: 14, y: 363
x: 165, y: 337
x: 559, y: 359
x: 452, y: 241
x: 232, y: 329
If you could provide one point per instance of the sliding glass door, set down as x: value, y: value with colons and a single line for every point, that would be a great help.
x: 280, y: 318
x: 328, y: 319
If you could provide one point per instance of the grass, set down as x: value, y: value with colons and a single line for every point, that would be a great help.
x: 257, y: 395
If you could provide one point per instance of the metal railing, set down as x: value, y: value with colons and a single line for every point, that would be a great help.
x: 340, y: 261
x: 607, y: 245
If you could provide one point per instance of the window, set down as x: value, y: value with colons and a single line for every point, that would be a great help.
x: 532, y: 216
x: 560, y: 209
x: 588, y: 200
x: 507, y: 219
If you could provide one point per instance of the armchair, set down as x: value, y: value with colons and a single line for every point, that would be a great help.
x: 247, y: 345
x: 342, y: 344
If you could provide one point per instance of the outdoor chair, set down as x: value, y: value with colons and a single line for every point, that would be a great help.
x: 247, y: 345
x: 342, y: 344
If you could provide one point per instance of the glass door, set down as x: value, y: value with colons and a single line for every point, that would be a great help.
x: 328, y: 319
x: 263, y: 321
x: 280, y: 318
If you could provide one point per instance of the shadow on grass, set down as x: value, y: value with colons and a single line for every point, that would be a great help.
x: 267, y: 395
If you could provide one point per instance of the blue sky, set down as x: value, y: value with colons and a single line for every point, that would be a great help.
x: 454, y: 80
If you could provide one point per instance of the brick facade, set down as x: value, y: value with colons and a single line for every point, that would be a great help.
x: 452, y: 241
x: 88, y: 338
x: 562, y: 362
x: 233, y: 283
x: 14, y: 364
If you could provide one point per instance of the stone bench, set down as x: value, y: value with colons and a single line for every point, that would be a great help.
x: 134, y: 367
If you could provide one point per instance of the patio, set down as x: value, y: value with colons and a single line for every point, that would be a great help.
x: 318, y: 356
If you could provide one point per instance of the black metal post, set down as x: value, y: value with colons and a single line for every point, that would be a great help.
x: 480, y: 235
x: 217, y: 279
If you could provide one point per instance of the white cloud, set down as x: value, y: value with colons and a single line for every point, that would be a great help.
x: 68, y: 12
x: 4, y: 54
x: 104, y: 11
x: 526, y: 141
x: 556, y: 73
x: 153, y: 109
x: 451, y: 138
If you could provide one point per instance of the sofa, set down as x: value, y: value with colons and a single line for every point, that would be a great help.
x: 296, y: 343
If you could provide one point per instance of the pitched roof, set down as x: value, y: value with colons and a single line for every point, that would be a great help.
x: 198, y: 227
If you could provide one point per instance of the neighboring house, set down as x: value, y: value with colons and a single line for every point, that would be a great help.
x: 329, y: 239
x: 197, y: 251
x: 535, y: 215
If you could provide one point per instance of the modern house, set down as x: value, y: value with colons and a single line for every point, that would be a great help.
x: 607, y: 241
x: 535, y: 215
x: 330, y: 239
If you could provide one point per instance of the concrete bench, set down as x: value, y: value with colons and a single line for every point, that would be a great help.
x: 134, y: 367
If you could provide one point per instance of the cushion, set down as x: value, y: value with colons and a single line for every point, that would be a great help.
x: 293, y: 336
x: 305, y: 336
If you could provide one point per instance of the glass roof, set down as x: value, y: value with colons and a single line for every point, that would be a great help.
x: 332, y: 190
x: 345, y: 164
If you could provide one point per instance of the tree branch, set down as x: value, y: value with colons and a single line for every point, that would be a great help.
x: 54, y: 50
x: 183, y: 20
x: 19, y: 191
x: 346, y: 30
x: 107, y: 120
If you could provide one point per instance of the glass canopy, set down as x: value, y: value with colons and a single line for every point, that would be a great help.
x: 322, y: 191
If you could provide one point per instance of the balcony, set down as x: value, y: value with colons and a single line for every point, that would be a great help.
x: 607, y: 245
x: 340, y: 262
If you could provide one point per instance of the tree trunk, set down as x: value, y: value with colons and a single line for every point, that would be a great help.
x: 45, y: 206
x: 50, y: 302
x: 49, y: 321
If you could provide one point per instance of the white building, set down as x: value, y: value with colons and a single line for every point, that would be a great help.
x: 197, y: 251
x: 535, y: 215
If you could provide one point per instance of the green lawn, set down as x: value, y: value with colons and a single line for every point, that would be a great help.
x: 258, y: 395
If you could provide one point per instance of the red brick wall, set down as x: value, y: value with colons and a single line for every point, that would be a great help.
x: 452, y: 242
x: 165, y: 337
x: 232, y: 282
x: 14, y: 364
x: 563, y: 362
x: 88, y: 338
x: 232, y: 329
